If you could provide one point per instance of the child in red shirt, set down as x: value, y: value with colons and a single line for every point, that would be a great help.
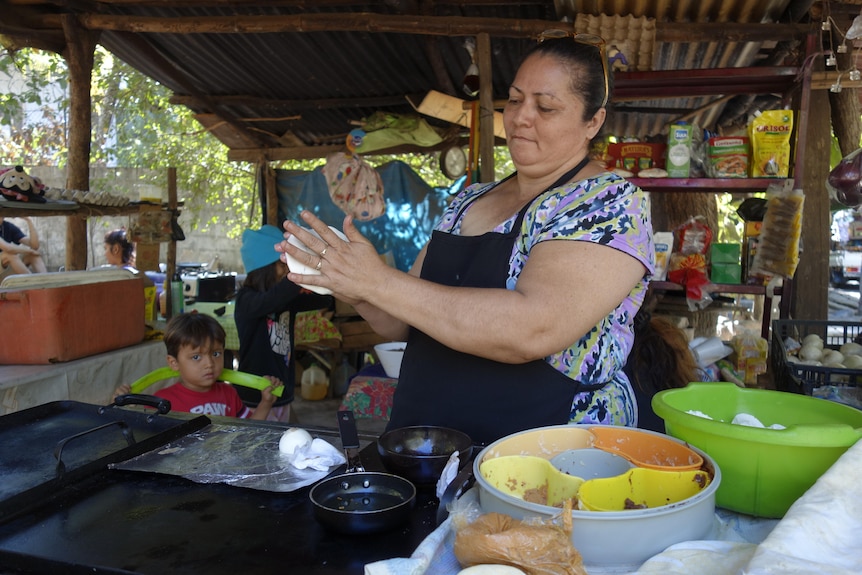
x: 195, y: 345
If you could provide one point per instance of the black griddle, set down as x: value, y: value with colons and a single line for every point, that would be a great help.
x: 109, y: 521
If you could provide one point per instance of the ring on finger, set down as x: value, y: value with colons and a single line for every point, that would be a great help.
x: 319, y: 263
x: 323, y: 253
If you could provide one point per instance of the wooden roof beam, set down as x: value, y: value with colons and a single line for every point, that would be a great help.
x: 421, y: 25
x: 297, y: 105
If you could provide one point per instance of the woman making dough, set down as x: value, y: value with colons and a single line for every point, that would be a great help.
x: 518, y: 312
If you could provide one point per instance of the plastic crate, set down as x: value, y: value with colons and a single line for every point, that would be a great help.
x: 801, y: 378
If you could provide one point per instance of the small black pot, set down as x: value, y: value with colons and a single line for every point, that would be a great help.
x: 419, y: 453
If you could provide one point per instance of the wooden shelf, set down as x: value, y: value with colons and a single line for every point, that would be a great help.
x: 83, y: 211
x: 719, y: 288
x: 703, y: 185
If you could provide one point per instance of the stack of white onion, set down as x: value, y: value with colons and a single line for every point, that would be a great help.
x: 813, y: 352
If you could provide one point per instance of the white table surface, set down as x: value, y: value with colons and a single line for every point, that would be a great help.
x: 90, y: 379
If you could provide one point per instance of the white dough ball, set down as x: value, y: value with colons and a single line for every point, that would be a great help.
x: 294, y: 439
x: 813, y: 339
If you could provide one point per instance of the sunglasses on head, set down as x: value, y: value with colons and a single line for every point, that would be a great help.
x: 589, y: 40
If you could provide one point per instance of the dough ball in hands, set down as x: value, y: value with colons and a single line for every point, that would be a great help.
x: 536, y: 549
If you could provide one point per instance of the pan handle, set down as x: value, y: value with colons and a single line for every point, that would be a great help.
x: 349, y: 440
x: 455, y: 489
x: 58, y: 449
x: 160, y: 404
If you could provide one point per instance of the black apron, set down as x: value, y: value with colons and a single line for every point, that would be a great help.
x: 484, y: 398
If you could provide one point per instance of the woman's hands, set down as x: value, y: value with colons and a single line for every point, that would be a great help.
x: 350, y: 269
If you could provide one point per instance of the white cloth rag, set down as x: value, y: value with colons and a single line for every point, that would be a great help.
x: 319, y: 455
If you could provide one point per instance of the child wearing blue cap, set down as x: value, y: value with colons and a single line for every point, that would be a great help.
x: 265, y: 337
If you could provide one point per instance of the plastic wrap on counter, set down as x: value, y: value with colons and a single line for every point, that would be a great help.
x: 235, y: 455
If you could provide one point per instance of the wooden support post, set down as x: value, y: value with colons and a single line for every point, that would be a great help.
x: 271, y: 195
x: 79, y: 53
x: 486, y: 108
x: 172, y: 246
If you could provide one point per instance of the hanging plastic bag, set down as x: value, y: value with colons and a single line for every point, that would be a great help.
x: 688, y: 265
x: 353, y: 184
x: 778, y: 249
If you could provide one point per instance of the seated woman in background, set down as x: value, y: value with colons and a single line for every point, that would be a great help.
x: 19, y: 252
x: 660, y: 359
x: 119, y: 251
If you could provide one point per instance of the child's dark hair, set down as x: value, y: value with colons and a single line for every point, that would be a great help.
x: 660, y: 358
x: 119, y: 238
x: 262, y: 279
x: 194, y: 329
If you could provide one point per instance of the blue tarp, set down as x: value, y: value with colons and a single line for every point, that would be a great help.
x: 412, y: 208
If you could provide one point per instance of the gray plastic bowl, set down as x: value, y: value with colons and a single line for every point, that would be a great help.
x: 618, y: 539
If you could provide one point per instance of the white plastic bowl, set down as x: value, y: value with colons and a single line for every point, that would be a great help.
x: 620, y: 540
x: 390, y: 355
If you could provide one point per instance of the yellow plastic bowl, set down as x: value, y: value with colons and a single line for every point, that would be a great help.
x: 641, y: 488
x: 531, y: 479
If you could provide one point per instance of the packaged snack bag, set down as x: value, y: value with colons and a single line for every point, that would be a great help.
x: 770, y: 143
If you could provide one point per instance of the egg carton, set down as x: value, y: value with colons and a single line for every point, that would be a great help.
x: 86, y: 197
x: 787, y: 356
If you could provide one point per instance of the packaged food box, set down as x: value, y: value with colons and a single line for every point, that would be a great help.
x: 725, y: 273
x: 663, y: 247
x: 727, y: 157
x: 636, y: 156
x: 679, y: 142
x: 725, y: 253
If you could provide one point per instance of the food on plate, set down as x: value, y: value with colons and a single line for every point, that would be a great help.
x: 490, y: 569
x: 293, y: 440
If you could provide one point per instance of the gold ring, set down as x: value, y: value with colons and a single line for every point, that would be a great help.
x: 323, y: 253
x: 319, y: 263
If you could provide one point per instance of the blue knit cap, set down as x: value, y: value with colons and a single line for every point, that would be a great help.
x: 258, y: 247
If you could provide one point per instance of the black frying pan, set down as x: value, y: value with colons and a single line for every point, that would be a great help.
x: 361, y: 501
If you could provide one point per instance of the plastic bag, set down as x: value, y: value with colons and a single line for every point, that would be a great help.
x: 535, y: 545
x: 688, y: 265
x: 845, y: 180
x: 778, y: 246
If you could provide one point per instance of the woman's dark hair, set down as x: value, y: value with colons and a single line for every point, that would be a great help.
x: 127, y: 248
x: 584, y: 62
x: 195, y: 329
x: 262, y: 279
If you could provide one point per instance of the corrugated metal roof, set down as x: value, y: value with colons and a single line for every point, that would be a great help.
x: 293, y: 75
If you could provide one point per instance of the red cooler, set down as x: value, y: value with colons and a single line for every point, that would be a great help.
x: 54, y: 317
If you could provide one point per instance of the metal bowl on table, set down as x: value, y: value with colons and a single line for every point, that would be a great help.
x: 419, y: 453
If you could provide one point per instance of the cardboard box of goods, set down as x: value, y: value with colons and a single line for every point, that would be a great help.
x: 725, y: 253
x: 724, y: 273
x: 636, y: 156
x: 679, y: 140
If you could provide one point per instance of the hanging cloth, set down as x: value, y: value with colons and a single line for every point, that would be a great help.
x: 354, y: 186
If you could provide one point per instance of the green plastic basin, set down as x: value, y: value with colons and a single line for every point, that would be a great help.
x: 764, y: 470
